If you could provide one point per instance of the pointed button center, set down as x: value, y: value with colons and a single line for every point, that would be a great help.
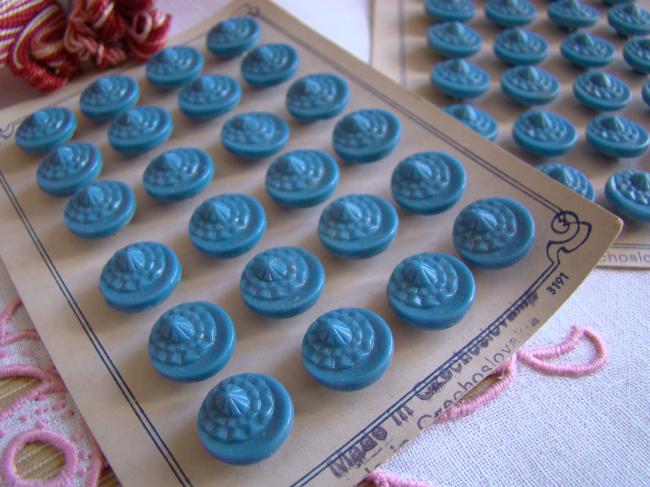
x: 459, y: 66
x: 291, y: 165
x: 602, y: 80
x: 263, y: 54
x: 228, y: 26
x: 102, y: 86
x: 203, y: 83
x: 540, y: 120
x: 481, y: 221
x: 245, y: 123
x: 518, y: 36
x: 232, y: 401
x: 131, y: 260
x: 216, y: 212
x: 270, y: 269
x: 177, y: 329
x: 356, y: 122
x: 584, y: 40
x: 168, y: 55
x: 420, y: 274
x: 133, y: 117
x: 529, y: 73
x: 91, y: 195
x: 63, y: 154
x: 38, y: 119
x: 170, y: 162
x: 467, y: 113
x: 562, y: 175
x: 417, y: 171
x: 613, y: 123
x: 307, y: 86
x: 334, y: 333
x: 346, y: 211
x: 456, y: 28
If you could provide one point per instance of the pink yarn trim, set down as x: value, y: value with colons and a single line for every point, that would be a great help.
x: 7, y: 338
x: 382, y: 478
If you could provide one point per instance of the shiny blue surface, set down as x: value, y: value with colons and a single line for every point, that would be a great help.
x: 254, y: 135
x: 629, y: 19
x: 233, y: 36
x: 510, y: 13
x: 209, y: 96
x: 454, y: 39
x: 270, y: 65
x: 69, y: 167
x: 569, y: 177
x: 572, y: 14
x: 520, y: 47
x: 366, y: 135
x: 460, y: 79
x: 446, y: 10
x: 629, y: 192
x: 636, y: 53
x: 476, y: 119
x: 109, y: 96
x: 317, y: 96
x: 44, y: 129
x: 584, y: 50
x: 140, y: 129
x: 544, y: 133
x: 529, y: 85
x: 617, y: 137
x: 174, y: 66
x: 601, y: 91
x: 645, y: 92
x: 178, y: 174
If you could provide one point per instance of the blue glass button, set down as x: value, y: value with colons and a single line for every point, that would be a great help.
x: 569, y: 177
x: 636, y: 53
x: 431, y: 291
x: 45, y: 129
x: 601, y: 91
x: 476, y: 119
x: 254, y: 135
x: 544, y: 133
x: 234, y: 36
x: 645, y: 92
x: 572, y: 14
x: 227, y: 225
x: 617, y: 137
x: 447, y: 10
x: 348, y: 348
x: 529, y: 85
x: 270, y: 65
x: 282, y: 282
x: 178, y: 174
x: 209, y: 96
x: 245, y: 418
x: 109, y: 96
x: 358, y: 226
x: 191, y: 341
x: 584, y: 50
x: 366, y: 135
x: 302, y: 178
x: 140, y: 129
x: 616, y: 2
x: 139, y: 276
x: 494, y: 232
x: 454, y: 39
x: 428, y: 182
x: 174, y: 66
x: 629, y: 192
x: 520, y: 47
x: 510, y: 13
x: 317, y: 96
x: 629, y: 19
x: 69, y: 167
x: 457, y: 78
x: 100, y: 209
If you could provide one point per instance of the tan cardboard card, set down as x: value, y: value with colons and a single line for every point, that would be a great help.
x: 399, y: 49
x: 146, y: 425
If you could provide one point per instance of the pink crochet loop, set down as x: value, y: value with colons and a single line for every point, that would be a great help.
x: 381, y: 478
x: 6, y: 337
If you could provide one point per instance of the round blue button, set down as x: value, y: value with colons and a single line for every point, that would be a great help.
x: 191, y: 341
x: 140, y: 129
x: 544, y: 133
x: 645, y: 92
x: 69, y: 167
x: 366, y: 135
x: 109, y: 96
x: 476, y: 119
x: 601, y: 91
x: 520, y: 47
x: 282, y: 282
x: 431, y: 291
x: 317, y: 96
x: 270, y: 64
x: 629, y: 192
x: 457, y: 78
x: 100, y: 209
x: 454, y: 39
x: 45, y: 129
x: 569, y: 177
x: 529, y: 85
x: 174, y: 66
x: 254, y: 135
x: 428, y: 182
x: 636, y: 53
x: 510, y: 13
x: 227, y: 225
x: 446, y: 10
x: 178, y: 174
x: 348, y: 348
x: 572, y: 14
x: 617, y: 137
x: 245, y: 418
x: 358, y: 226
x: 494, y: 232
x: 302, y: 178
x: 234, y: 36
x: 139, y: 276
x: 584, y: 50
x: 629, y: 19
x: 209, y: 96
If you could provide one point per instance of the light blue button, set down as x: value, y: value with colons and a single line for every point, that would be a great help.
x: 140, y: 129
x: 569, y: 177
x: 457, y: 78
x: 139, y: 276
x: 636, y: 53
x: 584, y: 50
x: 209, y: 96
x: 109, y: 96
x: 366, y: 135
x: 270, y: 65
x: 317, y: 96
x: 245, y: 418
x: 100, y: 209
x: 476, y: 119
x: 645, y: 92
x: 428, y: 182
x: 348, y: 348
x: 358, y: 226
x: 629, y: 192
x: 431, y: 291
x: 191, y: 341
x: 232, y: 37
x: 454, y: 39
x: 69, y: 167
x: 601, y: 91
x: 178, y: 174
x: 617, y: 137
x: 44, y: 129
x: 282, y: 282
x: 446, y: 10
x: 510, y: 13
x: 494, y: 232
x: 529, y: 85
x: 544, y: 133
x: 174, y: 66
x: 228, y: 225
x: 572, y: 14
x: 302, y: 178
x: 254, y: 135
x: 520, y: 47
x: 629, y: 20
